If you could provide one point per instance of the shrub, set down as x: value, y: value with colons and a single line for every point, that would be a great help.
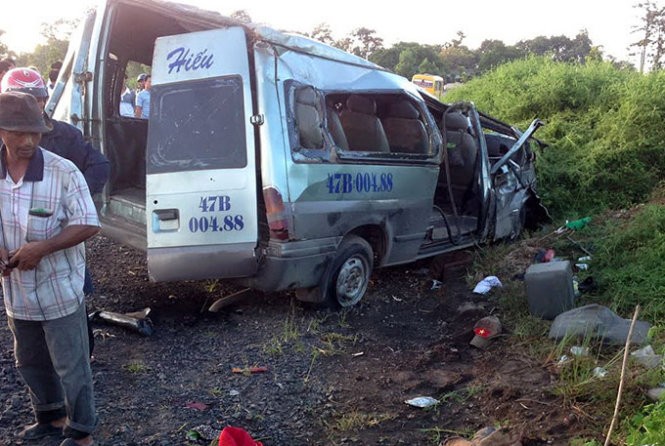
x: 629, y: 262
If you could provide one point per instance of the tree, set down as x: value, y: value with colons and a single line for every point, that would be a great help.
x: 416, y: 58
x: 57, y: 36
x: 595, y: 54
x: 389, y: 57
x: 652, y: 44
x: 322, y: 33
x: 580, y: 47
x: 362, y: 42
x: 559, y: 48
x: 493, y: 53
x: 459, y: 62
x: 4, y: 49
x: 242, y: 16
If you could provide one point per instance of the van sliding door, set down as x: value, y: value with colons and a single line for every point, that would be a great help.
x: 201, y: 201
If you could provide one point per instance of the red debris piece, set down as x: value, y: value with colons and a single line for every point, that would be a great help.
x: 249, y: 369
x: 196, y: 405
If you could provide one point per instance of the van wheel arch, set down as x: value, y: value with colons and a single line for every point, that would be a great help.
x: 356, y: 255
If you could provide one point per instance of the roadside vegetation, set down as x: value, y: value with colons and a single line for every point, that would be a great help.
x: 605, y: 160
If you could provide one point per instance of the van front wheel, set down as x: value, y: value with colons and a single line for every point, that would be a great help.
x: 347, y: 280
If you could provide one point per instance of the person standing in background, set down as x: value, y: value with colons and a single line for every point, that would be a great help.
x: 142, y: 109
x: 140, y: 81
x: 53, y: 76
x: 127, y: 100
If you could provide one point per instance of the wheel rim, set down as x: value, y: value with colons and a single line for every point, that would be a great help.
x: 352, y: 281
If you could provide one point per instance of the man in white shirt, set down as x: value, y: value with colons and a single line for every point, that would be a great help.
x: 127, y: 100
x: 46, y: 213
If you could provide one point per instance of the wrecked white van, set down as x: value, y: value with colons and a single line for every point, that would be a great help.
x: 280, y: 162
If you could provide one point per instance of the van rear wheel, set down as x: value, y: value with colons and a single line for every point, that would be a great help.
x: 347, y: 280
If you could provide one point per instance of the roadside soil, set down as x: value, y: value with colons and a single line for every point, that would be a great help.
x: 331, y: 377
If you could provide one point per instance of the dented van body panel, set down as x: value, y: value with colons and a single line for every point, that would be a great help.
x: 279, y: 162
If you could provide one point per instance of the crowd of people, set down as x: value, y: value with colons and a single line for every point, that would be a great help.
x: 49, y: 174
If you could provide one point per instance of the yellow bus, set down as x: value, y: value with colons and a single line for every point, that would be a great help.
x: 429, y: 82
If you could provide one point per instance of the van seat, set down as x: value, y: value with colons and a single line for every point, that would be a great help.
x: 405, y: 131
x: 335, y: 129
x: 462, y: 146
x: 462, y: 149
x: 362, y: 127
x: 309, y: 118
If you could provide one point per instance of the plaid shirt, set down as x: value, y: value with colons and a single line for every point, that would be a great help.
x: 51, y: 196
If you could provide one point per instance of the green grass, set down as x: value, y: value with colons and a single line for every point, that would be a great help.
x: 136, y: 367
x: 289, y: 336
x: 355, y: 420
x: 630, y: 259
x: 648, y: 426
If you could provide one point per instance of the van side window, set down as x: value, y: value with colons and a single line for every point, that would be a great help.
x: 332, y: 125
x: 380, y: 125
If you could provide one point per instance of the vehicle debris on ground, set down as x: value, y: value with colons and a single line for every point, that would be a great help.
x: 138, y: 321
x: 597, y: 321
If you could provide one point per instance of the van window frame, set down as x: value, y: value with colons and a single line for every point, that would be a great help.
x: 188, y: 163
x: 300, y: 153
x: 332, y: 153
x: 435, y: 140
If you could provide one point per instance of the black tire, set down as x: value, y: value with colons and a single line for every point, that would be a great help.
x: 346, y: 282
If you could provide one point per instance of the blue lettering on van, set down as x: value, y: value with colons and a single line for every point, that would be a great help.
x: 215, y: 203
x: 188, y: 61
x: 215, y: 223
x: 362, y: 182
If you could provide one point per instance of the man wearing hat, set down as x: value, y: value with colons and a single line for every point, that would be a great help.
x: 64, y: 139
x: 142, y: 107
x: 140, y: 85
x: 46, y: 213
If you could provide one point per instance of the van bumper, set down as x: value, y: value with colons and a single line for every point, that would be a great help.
x: 202, y: 262
x: 293, y: 264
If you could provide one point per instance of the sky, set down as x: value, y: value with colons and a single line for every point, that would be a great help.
x: 608, y: 22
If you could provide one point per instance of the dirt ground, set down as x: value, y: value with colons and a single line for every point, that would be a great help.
x: 331, y: 378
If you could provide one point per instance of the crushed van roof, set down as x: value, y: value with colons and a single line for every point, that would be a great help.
x: 212, y: 19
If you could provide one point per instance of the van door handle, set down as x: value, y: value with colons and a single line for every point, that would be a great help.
x: 166, y: 214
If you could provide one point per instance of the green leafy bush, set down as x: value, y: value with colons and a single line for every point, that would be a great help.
x: 648, y: 426
x: 629, y: 262
x: 604, y: 127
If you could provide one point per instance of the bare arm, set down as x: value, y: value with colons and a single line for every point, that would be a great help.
x: 29, y: 255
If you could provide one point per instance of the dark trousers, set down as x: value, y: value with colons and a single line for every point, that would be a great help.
x: 52, y: 358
